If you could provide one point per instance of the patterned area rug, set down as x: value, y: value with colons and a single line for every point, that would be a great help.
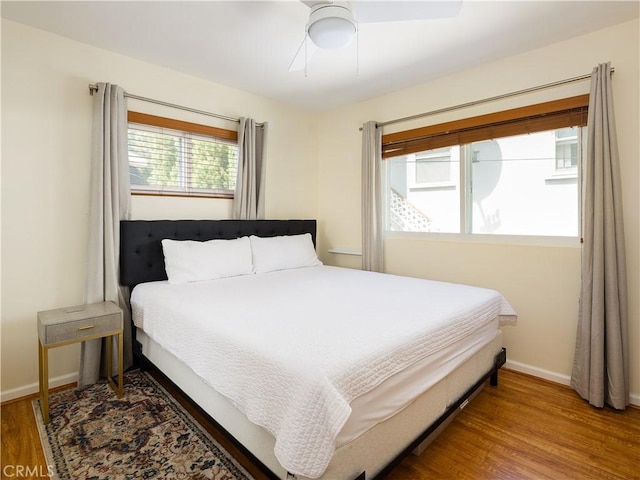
x: 145, y: 434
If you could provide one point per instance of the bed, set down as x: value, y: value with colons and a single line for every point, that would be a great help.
x: 316, y: 371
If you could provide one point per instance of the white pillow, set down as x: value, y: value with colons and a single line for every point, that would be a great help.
x: 281, y: 253
x: 192, y: 261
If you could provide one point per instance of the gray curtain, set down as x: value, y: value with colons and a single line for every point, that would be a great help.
x: 372, y: 236
x: 600, y: 368
x: 248, y: 202
x: 110, y: 200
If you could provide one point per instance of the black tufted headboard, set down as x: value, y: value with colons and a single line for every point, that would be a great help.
x: 141, y: 257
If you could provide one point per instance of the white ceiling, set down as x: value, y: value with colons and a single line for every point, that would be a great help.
x: 249, y: 44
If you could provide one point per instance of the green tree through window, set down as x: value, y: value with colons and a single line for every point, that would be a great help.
x: 214, y: 165
x: 153, y: 158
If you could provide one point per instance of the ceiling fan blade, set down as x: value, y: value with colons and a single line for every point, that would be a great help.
x: 396, y: 11
x: 303, y: 55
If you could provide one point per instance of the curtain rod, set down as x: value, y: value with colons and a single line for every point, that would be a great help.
x: 487, y: 100
x: 94, y: 88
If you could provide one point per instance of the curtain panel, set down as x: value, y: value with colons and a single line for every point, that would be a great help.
x: 601, y: 363
x: 249, y: 197
x: 109, y: 202
x: 372, y: 234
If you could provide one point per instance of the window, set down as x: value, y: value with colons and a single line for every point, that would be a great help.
x: 432, y: 169
x: 513, y: 175
x: 567, y: 148
x: 171, y: 157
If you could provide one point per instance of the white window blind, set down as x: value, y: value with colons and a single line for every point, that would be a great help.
x: 170, y: 161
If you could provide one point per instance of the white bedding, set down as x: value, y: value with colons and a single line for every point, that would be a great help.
x: 292, y: 349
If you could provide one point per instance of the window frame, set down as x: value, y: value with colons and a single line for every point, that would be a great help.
x: 572, y: 111
x: 180, y: 126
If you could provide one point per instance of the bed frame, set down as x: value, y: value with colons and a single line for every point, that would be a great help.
x: 142, y: 260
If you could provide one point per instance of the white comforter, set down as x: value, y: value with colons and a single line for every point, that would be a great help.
x: 292, y: 348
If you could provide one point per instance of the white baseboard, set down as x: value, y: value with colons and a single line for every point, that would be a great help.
x: 32, y: 388
x: 538, y: 372
x: 554, y: 377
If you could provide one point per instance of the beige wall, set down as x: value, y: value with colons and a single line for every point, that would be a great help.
x: 541, y: 281
x: 46, y: 134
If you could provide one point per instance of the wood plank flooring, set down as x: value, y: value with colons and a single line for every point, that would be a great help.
x: 21, y: 454
x: 526, y: 428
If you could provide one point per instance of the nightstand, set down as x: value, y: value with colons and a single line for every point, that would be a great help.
x: 65, y: 326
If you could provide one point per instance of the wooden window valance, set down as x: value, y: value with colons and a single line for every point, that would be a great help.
x: 567, y: 112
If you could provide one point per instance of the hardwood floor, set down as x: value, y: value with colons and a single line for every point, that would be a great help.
x: 526, y: 428
x: 21, y: 454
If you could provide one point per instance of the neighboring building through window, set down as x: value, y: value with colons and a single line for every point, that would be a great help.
x: 567, y: 148
x: 514, y: 184
x: 171, y: 157
x: 433, y: 169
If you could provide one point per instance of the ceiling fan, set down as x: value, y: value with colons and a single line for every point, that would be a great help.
x: 334, y: 24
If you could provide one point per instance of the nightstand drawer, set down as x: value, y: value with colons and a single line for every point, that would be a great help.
x: 63, y: 332
x: 76, y: 323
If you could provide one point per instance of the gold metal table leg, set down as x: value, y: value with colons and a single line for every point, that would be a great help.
x: 121, y: 363
x: 116, y: 388
x: 43, y: 360
x: 109, y: 341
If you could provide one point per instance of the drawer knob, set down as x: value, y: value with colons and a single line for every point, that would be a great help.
x: 85, y: 327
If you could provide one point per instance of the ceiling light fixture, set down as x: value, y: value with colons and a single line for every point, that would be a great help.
x: 331, y: 26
